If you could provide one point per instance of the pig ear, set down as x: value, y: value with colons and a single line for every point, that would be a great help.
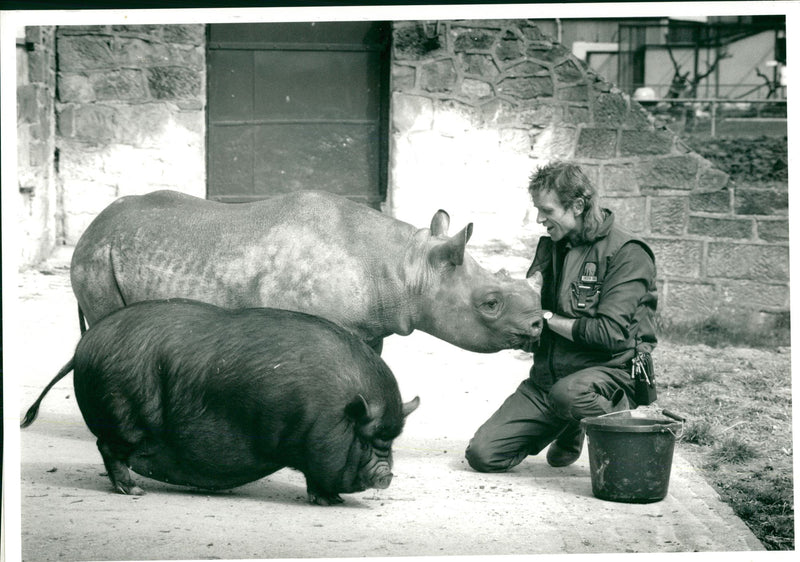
x: 440, y: 223
x: 409, y: 407
x: 535, y: 281
x: 358, y: 409
x: 451, y: 251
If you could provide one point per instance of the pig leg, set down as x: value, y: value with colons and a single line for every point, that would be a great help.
x: 319, y: 497
x: 118, y: 472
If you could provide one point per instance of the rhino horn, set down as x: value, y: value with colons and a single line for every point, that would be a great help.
x: 535, y: 281
x: 452, y: 250
x: 440, y: 223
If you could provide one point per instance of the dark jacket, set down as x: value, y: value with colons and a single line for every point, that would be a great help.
x: 609, y: 285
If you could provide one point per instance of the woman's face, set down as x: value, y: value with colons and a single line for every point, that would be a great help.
x: 560, y: 222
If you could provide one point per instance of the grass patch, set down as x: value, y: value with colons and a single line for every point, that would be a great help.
x: 733, y: 330
x: 734, y: 388
x: 698, y: 432
x: 733, y: 450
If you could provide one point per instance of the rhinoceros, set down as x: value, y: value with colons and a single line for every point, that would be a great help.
x: 312, y: 252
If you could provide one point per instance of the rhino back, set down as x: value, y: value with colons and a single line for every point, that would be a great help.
x: 307, y: 251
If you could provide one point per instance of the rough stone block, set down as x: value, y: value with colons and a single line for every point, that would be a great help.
x: 476, y: 89
x: 403, y: 77
x: 568, y: 72
x: 40, y: 153
x: 576, y: 114
x: 480, y: 65
x: 526, y: 88
x: 711, y: 201
x: 714, y: 227
x: 76, y: 53
x: 138, y: 53
x: 533, y: 33
x: 578, y: 93
x: 619, y: 178
x: 684, y: 301
x: 610, y: 110
x: 672, y: 172
x: 597, y: 143
x: 474, y: 39
x: 439, y: 76
x: 527, y: 68
x: 38, y: 66
x: 411, y: 43
x: 27, y: 106
x: 556, y: 142
x: 192, y: 34
x: 638, y: 119
x: 173, y: 83
x: 547, y: 51
x: 591, y: 171
x: 773, y: 230
x: 96, y: 123
x: 142, y: 124
x: 760, y: 201
x: 752, y: 295
x: 126, y: 84
x: 499, y: 112
x: 509, y: 47
x: 711, y: 179
x: 668, y: 215
x: 630, y: 212
x: 411, y: 113
x: 75, y: 88
x: 634, y: 143
x: 759, y: 262
x: 541, y: 116
x: 677, y: 258
x: 515, y: 140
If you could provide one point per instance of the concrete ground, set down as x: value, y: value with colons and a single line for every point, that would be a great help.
x: 436, y: 504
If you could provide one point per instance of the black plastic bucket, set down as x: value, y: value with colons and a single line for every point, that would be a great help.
x: 630, y: 458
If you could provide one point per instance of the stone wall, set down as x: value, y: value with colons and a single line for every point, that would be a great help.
x: 36, y: 174
x: 131, y: 115
x: 478, y: 105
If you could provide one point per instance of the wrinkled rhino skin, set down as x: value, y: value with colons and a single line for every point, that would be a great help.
x: 191, y: 394
x: 312, y: 252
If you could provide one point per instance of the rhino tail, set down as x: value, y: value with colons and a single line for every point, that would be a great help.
x: 33, y: 411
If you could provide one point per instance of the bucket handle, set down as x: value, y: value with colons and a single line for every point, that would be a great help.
x: 665, y: 412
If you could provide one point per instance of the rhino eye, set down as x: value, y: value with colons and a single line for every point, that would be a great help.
x: 491, y: 306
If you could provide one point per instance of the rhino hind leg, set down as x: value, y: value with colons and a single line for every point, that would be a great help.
x: 318, y: 496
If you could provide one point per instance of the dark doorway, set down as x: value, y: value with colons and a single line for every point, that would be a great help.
x: 298, y: 106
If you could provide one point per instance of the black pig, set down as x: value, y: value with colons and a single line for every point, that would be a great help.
x: 192, y: 394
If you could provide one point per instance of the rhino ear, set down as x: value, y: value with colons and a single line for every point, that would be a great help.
x: 440, y: 223
x: 535, y: 281
x: 451, y: 251
x: 409, y: 407
x: 358, y: 409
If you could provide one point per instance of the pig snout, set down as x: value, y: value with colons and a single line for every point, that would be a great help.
x: 382, y: 477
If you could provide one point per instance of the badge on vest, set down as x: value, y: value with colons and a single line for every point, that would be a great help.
x: 588, y: 284
x: 589, y: 274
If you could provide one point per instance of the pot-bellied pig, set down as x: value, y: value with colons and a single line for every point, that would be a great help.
x: 313, y: 252
x: 192, y: 394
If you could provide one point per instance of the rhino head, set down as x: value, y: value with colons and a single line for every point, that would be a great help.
x: 468, y: 306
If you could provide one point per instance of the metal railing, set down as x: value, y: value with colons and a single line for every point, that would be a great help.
x: 716, y: 109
